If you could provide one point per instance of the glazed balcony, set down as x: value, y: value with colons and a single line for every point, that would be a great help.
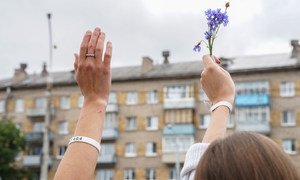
x: 180, y: 103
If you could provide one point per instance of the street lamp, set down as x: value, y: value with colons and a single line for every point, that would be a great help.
x: 45, y: 155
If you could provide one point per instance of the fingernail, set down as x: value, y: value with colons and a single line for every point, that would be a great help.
x: 97, y: 29
x: 88, y: 32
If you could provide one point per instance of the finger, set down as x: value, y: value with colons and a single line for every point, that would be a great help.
x: 93, y: 41
x: 76, y: 62
x: 208, y: 61
x: 202, y: 73
x: 84, y: 45
x: 108, y: 54
x: 217, y: 60
x: 99, y: 48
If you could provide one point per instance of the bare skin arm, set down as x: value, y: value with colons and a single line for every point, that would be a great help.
x: 94, y: 79
x: 218, y: 86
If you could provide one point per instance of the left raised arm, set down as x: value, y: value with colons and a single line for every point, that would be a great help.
x: 93, y: 76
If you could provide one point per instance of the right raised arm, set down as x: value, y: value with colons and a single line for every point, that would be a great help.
x: 218, y: 86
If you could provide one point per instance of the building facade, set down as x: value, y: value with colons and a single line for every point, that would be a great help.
x: 156, y: 112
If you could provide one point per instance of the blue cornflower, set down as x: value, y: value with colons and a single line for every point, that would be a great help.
x: 197, y: 48
x: 215, y: 18
x: 208, y: 35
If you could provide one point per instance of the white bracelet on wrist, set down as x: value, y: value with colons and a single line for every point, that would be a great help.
x: 86, y: 140
x: 221, y: 103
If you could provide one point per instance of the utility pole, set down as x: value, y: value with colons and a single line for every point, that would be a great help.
x: 45, y: 155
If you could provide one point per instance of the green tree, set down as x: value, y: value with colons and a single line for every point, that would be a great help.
x: 11, y: 143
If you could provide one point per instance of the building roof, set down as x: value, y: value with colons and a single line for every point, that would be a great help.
x: 246, y: 63
x: 172, y: 70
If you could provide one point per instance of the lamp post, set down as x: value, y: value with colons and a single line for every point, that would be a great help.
x: 45, y: 154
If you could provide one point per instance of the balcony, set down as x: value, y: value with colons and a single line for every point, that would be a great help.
x: 258, y: 127
x: 106, y: 159
x: 179, y: 129
x: 112, y: 108
x: 37, y: 137
x: 33, y: 160
x: 170, y: 158
x: 182, y: 103
x: 248, y: 100
x: 110, y: 134
x: 38, y: 112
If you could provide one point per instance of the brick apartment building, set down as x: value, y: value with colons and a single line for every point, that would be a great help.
x: 156, y: 112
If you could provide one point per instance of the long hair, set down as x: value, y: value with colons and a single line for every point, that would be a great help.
x: 245, y: 156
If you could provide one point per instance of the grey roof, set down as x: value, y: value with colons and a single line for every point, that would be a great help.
x: 183, y: 69
x: 262, y: 62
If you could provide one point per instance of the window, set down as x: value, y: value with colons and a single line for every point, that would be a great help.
x: 287, y: 89
x: 152, y: 123
x: 131, y: 123
x: 80, y: 101
x: 129, y: 174
x: 38, y: 127
x: 112, y: 99
x: 107, y: 149
x: 110, y: 120
x: 172, y: 173
x: 150, y: 174
x: 61, y: 150
x: 132, y: 98
x: 34, y: 150
x: 63, y: 127
x: 65, y: 102
x: 105, y: 174
x: 2, y: 106
x: 202, y: 96
x: 255, y: 87
x: 230, y: 121
x: 19, y: 105
x: 253, y: 115
x: 177, y: 143
x: 204, y: 121
x: 178, y: 92
x: 130, y: 150
x: 41, y: 102
x: 151, y: 149
x: 152, y: 97
x: 289, y: 146
x: 288, y: 118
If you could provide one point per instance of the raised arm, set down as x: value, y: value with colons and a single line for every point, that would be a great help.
x: 218, y: 86
x: 94, y: 79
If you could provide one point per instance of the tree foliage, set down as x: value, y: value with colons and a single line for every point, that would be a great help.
x: 11, y: 143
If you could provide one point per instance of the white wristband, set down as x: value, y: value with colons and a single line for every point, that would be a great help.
x: 221, y: 103
x: 86, y: 140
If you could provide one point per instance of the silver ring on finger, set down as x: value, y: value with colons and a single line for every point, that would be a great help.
x: 90, y: 55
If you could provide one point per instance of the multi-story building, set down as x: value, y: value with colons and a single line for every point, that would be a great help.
x: 156, y: 112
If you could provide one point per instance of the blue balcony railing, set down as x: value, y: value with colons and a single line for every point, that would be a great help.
x: 246, y: 100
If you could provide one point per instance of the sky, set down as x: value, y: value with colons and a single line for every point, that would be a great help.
x: 139, y: 28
